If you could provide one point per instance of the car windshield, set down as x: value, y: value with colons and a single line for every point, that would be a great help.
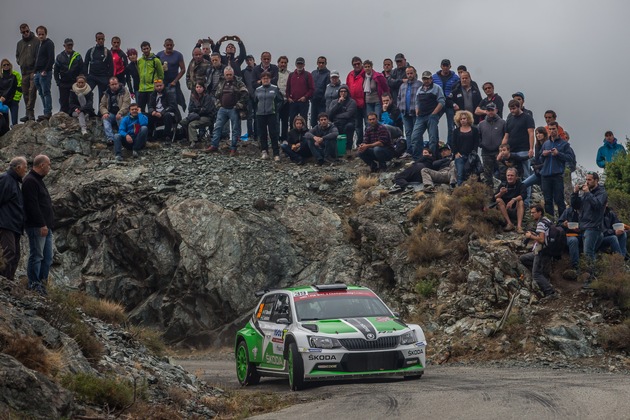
x: 339, y: 305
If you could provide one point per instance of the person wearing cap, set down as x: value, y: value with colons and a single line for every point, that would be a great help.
x: 354, y: 81
x: 446, y: 79
x: 25, y: 58
x: 398, y: 76
x: 321, y: 76
x: 488, y: 89
x: 430, y: 101
x: 520, y: 97
x: 44, y: 60
x: 283, y: 112
x: 342, y: 112
x: 230, y: 59
x: 68, y: 65
x: 300, y: 89
x: 99, y: 65
x: 491, y: 130
x: 149, y: 69
x: 374, y: 87
x: 332, y: 88
x: 407, y: 104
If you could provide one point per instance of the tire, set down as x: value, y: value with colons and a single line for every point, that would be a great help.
x: 296, y: 368
x: 246, y: 372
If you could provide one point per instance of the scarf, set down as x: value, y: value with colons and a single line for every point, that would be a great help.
x: 81, y: 93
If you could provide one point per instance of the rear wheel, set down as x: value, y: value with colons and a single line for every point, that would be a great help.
x: 245, y: 370
x: 296, y: 368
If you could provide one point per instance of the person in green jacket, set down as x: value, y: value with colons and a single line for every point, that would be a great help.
x: 149, y: 69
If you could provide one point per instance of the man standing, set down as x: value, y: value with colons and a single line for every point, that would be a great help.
x: 321, y: 76
x: 466, y: 96
x: 354, y: 81
x: 322, y: 140
x: 300, y: 89
x: 430, y: 101
x: 230, y: 59
x: 609, y: 150
x: 537, y: 260
x: 491, y: 130
x: 407, y: 103
x: 555, y: 153
x: 283, y: 111
x: 266, y: 66
x: 119, y: 60
x: 376, y: 149
x: 44, y: 60
x: 197, y: 70
x: 174, y: 69
x: 248, y: 79
x: 149, y: 69
x: 592, y: 205
x: 446, y: 79
x: 25, y: 57
x: 520, y: 97
x: 519, y: 134
x: 99, y: 65
x: 68, y: 65
x: 113, y: 107
x: 231, y: 100
x: 510, y: 199
x: 215, y: 72
x: 132, y: 133
x: 11, y: 215
x: 39, y: 223
x: 398, y: 76
x: 488, y: 89
x: 374, y: 87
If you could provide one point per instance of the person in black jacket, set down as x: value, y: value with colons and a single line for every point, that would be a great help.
x: 342, y: 113
x: 296, y: 147
x: 465, y: 143
x: 132, y: 76
x: 99, y: 65
x: 466, y: 96
x: 510, y: 198
x: 161, y: 110
x: 39, y: 224
x: 44, y: 60
x: 82, y: 102
x: 68, y: 65
x: 11, y: 215
x: 230, y: 59
x: 412, y: 173
x: 200, y: 112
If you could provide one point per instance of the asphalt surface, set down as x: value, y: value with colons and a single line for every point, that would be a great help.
x: 446, y: 392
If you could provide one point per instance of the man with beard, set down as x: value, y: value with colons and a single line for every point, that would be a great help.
x: 68, y: 65
x: 25, y: 57
x: 99, y: 65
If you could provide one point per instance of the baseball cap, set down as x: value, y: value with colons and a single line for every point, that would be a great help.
x: 334, y: 73
x: 299, y: 60
x: 518, y: 94
x: 399, y: 57
x: 446, y: 62
x: 68, y: 41
x: 491, y: 105
x: 249, y: 56
x: 427, y: 74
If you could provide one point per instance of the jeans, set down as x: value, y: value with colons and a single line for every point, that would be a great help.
x: 14, y: 107
x: 553, y: 192
x: 64, y: 98
x: 539, y: 264
x: 573, y: 243
x: 268, y: 127
x: 108, y: 124
x: 358, y: 125
x: 425, y: 123
x: 592, y: 241
x: 327, y: 150
x: 408, y: 123
x: 460, y: 166
x: 138, y: 141
x: 375, y: 107
x: 617, y: 244
x: 223, y: 116
x: 298, y: 156
x: 39, y: 259
x: 533, y: 179
x: 43, y: 88
x: 526, y: 170
x: 377, y: 154
x: 450, y: 122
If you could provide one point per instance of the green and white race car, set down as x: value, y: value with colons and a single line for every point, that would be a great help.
x: 326, y: 332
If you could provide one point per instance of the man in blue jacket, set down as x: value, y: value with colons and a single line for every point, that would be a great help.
x: 555, y: 153
x: 132, y: 132
x: 609, y: 150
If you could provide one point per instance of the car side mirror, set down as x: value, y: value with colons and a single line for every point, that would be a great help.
x: 396, y: 314
x: 284, y: 321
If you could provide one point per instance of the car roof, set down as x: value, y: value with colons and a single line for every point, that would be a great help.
x: 314, y: 288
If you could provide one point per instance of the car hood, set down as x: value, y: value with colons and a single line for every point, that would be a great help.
x: 366, y: 325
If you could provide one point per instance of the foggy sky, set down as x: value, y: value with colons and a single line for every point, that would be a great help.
x: 563, y: 55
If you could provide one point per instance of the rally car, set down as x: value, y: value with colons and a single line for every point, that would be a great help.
x: 326, y: 332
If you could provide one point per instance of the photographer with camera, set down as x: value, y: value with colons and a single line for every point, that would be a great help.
x: 537, y: 260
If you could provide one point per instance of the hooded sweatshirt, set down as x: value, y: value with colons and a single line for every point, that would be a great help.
x: 608, y: 151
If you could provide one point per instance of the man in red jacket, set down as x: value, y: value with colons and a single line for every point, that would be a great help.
x: 300, y: 89
x: 355, y: 80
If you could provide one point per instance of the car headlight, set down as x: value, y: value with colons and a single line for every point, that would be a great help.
x: 324, y: 342
x: 408, y: 338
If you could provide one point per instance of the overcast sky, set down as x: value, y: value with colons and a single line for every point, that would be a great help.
x: 564, y: 55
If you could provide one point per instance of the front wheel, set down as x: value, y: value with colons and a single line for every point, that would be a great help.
x: 245, y: 370
x: 296, y: 368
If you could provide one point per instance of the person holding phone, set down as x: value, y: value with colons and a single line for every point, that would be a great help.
x: 229, y: 58
x: 554, y: 156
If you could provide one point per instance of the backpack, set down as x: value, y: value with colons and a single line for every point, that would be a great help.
x: 555, y: 241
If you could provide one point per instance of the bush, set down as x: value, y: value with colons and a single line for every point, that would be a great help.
x: 103, y: 309
x: 150, y: 338
x: 109, y: 392
x: 613, y: 282
x: 619, y: 201
x: 427, y: 287
x: 618, y: 174
x: 29, y: 351
x: 425, y: 247
x: 616, y: 337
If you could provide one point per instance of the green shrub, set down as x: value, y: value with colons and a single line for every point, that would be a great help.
x: 618, y: 174
x: 619, y: 201
x: 110, y: 392
x: 613, y: 282
x: 427, y: 287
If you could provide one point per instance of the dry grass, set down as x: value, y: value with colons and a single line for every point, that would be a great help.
x: 30, y: 352
x: 241, y: 404
x: 613, y: 282
x: 365, y: 182
x: 616, y: 337
x: 103, y: 309
x: 425, y: 246
x: 329, y: 179
x: 150, y: 338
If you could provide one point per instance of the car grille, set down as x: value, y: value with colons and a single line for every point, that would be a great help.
x: 364, y: 362
x: 363, y: 344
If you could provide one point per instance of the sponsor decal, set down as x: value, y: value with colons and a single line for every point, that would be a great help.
x: 273, y: 359
x: 322, y: 357
x: 383, y: 319
x: 255, y: 351
x: 415, y: 352
x: 278, y: 336
x: 314, y: 295
x: 363, y: 326
x: 315, y: 350
x: 300, y: 293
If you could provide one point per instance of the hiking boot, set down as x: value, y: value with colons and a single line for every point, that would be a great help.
x: 119, y: 158
x: 429, y: 189
x: 24, y: 119
x: 233, y: 153
x: 264, y: 155
x: 276, y: 158
x: 212, y: 149
x: 395, y: 189
x: 520, y: 230
x: 508, y: 228
x: 551, y: 296
x: 135, y: 154
x: 570, y: 274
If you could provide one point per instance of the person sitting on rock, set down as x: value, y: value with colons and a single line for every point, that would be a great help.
x: 506, y: 159
x: 412, y: 173
x: 296, y: 146
x: 162, y: 110
x: 614, y: 239
x: 342, y: 111
x: 200, y: 112
x: 114, y: 106
x: 322, y: 140
x: 574, y: 237
x: 538, y: 261
x: 82, y: 102
x: 376, y: 149
x: 510, y: 198
x: 132, y: 132
x: 443, y: 171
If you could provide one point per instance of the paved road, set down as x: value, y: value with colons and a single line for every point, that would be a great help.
x: 448, y: 392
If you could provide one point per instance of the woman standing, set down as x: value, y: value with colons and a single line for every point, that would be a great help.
x: 82, y: 102
x: 465, y: 143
